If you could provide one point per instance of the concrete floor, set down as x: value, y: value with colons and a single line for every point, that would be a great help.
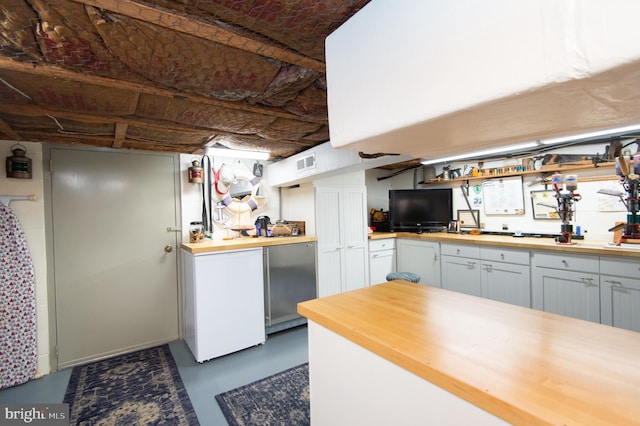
x: 203, y: 381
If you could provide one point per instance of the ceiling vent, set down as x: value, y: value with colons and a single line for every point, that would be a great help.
x: 306, y: 163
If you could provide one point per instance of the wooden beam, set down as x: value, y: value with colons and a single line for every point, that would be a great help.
x: 121, y: 132
x: 7, y: 130
x: 37, y: 111
x: 177, y: 21
x: 51, y: 71
x: 104, y: 141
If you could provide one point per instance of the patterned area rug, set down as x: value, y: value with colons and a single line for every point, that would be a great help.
x: 281, y: 399
x: 140, y: 388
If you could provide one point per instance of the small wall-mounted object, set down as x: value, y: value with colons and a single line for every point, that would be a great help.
x: 19, y: 165
x: 195, y: 172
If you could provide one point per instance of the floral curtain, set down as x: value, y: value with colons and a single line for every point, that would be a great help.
x: 18, y: 352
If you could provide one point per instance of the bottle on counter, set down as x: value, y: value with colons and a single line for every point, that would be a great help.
x: 196, y: 232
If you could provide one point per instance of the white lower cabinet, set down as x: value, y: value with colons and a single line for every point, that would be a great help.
x: 505, y: 275
x: 620, y: 293
x: 382, y: 259
x: 490, y: 272
x: 593, y: 288
x: 567, y: 285
x: 419, y: 257
x: 461, y: 268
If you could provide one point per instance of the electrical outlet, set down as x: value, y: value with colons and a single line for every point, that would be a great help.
x: 505, y: 226
x: 481, y: 225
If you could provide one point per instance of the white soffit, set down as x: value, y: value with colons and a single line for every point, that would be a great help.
x: 431, y: 78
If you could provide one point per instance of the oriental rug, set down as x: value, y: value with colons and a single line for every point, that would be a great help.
x: 139, y: 388
x: 280, y: 399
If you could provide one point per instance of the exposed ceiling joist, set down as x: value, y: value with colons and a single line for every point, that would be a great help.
x: 121, y: 132
x: 53, y: 71
x: 189, y: 25
x: 7, y: 130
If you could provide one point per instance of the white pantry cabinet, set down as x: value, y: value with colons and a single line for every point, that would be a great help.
x: 566, y: 284
x: 382, y: 259
x: 341, y: 228
x: 419, y: 257
x: 620, y: 292
x: 223, y: 302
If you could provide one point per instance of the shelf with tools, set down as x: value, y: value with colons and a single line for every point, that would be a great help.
x: 545, y: 170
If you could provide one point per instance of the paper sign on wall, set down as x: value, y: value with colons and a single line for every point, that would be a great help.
x: 503, y: 196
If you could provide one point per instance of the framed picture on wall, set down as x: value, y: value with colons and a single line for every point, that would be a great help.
x: 469, y: 219
x: 544, y: 205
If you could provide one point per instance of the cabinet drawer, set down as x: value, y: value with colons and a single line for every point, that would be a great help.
x: 620, y: 267
x: 461, y: 250
x: 494, y: 254
x: 566, y: 262
x: 386, y: 244
x: 381, y: 253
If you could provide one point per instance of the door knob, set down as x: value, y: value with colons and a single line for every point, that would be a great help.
x: 168, y: 248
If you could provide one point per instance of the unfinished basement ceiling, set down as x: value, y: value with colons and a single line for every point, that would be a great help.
x: 168, y: 76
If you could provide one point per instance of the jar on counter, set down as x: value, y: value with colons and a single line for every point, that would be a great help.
x: 196, y: 232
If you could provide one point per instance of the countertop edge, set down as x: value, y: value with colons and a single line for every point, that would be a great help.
x: 601, y: 248
x: 213, y: 246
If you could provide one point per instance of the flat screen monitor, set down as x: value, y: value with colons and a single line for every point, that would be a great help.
x: 420, y: 210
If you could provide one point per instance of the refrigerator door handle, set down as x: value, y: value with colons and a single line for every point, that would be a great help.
x: 267, y: 289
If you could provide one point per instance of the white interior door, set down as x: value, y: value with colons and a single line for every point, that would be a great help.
x: 115, y: 279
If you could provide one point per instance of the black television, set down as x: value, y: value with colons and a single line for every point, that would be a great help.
x: 420, y: 210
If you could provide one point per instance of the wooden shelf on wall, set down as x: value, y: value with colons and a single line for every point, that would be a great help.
x: 547, y: 169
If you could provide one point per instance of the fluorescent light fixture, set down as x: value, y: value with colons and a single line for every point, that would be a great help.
x: 484, y: 152
x: 561, y: 139
x: 236, y: 153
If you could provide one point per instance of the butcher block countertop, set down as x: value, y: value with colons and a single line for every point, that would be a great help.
x: 601, y: 248
x: 524, y: 366
x: 212, y: 246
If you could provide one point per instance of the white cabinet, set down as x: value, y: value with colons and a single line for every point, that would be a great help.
x: 382, y: 259
x: 419, y: 257
x: 505, y: 275
x: 223, y: 302
x: 490, y: 272
x: 620, y: 293
x: 461, y: 268
x: 566, y: 284
x: 341, y: 228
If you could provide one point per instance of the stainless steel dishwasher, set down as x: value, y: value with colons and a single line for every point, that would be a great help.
x: 289, y: 278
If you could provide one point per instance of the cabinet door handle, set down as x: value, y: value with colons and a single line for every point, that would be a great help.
x: 471, y: 265
x: 350, y: 246
x: 614, y: 282
x: 435, y: 257
x: 564, y: 262
x: 375, y: 255
x: 488, y: 267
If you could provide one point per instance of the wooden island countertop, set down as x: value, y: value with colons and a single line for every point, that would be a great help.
x: 522, y: 365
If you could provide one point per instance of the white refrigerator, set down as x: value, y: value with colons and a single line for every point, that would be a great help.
x: 223, y: 302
